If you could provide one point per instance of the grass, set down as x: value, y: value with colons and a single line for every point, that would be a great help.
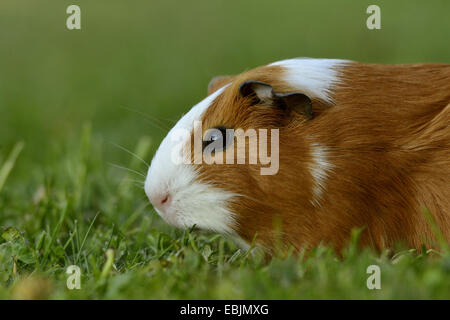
x: 72, y: 103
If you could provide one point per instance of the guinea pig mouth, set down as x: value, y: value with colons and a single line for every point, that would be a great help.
x: 175, y: 218
x: 170, y: 217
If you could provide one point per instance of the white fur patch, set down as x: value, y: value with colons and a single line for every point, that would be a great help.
x: 313, y: 77
x: 320, y: 168
x: 192, y: 202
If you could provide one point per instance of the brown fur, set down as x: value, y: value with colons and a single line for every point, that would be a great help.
x: 388, y: 140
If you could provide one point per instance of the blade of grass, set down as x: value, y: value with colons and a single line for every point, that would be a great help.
x: 108, y: 264
x: 435, y: 229
x: 5, y: 170
x: 85, y: 237
x: 55, y: 232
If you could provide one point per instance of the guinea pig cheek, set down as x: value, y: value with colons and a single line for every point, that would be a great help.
x: 190, y: 199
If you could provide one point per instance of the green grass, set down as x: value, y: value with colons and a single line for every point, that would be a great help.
x: 65, y: 119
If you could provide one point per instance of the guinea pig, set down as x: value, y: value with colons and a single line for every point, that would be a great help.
x: 347, y: 145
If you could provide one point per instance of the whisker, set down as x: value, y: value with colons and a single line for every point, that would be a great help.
x: 156, y: 122
x: 130, y: 152
x: 170, y: 120
x: 127, y: 169
x: 135, y: 181
x: 140, y: 187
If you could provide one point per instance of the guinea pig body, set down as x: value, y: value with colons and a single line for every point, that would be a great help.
x: 357, y: 146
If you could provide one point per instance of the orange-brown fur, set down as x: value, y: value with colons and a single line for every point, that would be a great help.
x: 387, y: 136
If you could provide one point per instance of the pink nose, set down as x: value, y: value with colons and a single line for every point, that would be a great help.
x: 160, y: 200
x: 164, y: 200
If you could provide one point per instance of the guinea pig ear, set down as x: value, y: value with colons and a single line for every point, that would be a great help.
x: 218, y: 82
x: 296, y: 101
x: 264, y: 92
x: 261, y: 91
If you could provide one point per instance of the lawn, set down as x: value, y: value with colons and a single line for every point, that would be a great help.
x: 74, y: 105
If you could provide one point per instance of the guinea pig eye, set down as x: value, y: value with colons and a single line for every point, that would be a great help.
x: 217, y: 139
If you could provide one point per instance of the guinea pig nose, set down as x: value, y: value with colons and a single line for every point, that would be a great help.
x: 160, y: 199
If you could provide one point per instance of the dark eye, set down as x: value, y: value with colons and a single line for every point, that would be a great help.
x: 217, y: 139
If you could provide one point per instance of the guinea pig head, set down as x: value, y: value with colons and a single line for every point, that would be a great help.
x: 239, y: 162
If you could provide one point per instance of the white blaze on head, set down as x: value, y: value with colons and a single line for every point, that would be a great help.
x: 312, y: 77
x: 191, y: 202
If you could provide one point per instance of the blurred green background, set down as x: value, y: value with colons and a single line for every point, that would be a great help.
x: 158, y: 56
x: 72, y: 95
